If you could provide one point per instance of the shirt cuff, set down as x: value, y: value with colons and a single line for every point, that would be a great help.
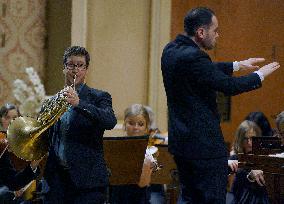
x: 260, y: 74
x: 236, y: 66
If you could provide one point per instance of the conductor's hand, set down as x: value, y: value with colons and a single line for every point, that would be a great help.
x: 250, y: 63
x: 71, y: 96
x: 269, y: 68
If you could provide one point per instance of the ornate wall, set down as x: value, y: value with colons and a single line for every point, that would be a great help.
x: 22, y: 42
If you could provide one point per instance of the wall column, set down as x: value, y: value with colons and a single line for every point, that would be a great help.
x: 159, y: 37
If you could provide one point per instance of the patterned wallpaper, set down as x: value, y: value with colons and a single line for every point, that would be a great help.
x: 22, y: 42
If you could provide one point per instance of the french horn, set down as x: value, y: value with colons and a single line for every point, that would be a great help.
x: 28, y: 137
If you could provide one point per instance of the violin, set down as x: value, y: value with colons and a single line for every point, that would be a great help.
x: 2, y: 135
x: 152, y: 151
x: 160, y: 138
x: 3, y: 143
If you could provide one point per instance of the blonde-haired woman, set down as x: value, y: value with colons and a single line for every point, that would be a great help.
x: 248, y: 186
x: 136, y: 123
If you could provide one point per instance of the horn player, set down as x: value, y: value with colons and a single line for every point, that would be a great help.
x: 76, y: 170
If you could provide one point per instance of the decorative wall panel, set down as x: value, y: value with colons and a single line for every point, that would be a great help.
x: 22, y: 42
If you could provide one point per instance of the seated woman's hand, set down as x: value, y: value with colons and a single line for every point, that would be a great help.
x: 3, y: 144
x: 19, y: 193
x: 233, y: 164
x: 256, y: 175
x: 145, y: 177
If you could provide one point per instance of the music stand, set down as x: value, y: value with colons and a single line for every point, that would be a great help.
x: 124, y: 158
x: 266, y: 145
x: 168, y: 173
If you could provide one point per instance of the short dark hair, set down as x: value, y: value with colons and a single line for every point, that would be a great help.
x: 76, y: 51
x: 261, y: 120
x: 197, y: 17
x: 6, y: 108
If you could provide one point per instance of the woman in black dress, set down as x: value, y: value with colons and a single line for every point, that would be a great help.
x: 249, y: 185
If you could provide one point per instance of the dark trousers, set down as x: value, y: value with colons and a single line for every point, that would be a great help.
x: 202, y: 181
x: 63, y: 190
x: 129, y: 194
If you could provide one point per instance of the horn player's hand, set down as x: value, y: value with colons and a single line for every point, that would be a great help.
x: 71, y: 96
x: 34, y: 164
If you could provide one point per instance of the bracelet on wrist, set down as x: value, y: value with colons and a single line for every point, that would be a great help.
x: 249, y: 177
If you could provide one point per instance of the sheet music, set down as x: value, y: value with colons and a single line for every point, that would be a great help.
x: 281, y: 155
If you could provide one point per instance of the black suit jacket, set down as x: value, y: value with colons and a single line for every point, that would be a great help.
x: 191, y: 80
x: 13, y: 179
x: 84, y: 139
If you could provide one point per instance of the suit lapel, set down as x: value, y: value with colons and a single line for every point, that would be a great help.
x: 84, y: 92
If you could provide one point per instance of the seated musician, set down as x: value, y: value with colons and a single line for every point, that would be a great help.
x: 261, y: 120
x: 136, y: 123
x: 12, y: 181
x: 248, y: 186
x: 8, y: 112
x: 280, y: 127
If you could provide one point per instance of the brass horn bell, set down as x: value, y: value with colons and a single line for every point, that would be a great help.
x: 27, y: 139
